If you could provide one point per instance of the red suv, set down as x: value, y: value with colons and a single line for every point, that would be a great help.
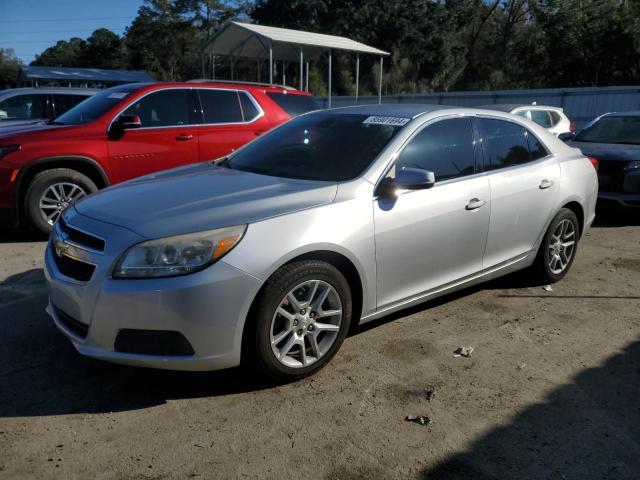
x: 128, y: 131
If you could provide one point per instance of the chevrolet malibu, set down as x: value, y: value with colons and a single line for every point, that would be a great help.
x: 335, y: 218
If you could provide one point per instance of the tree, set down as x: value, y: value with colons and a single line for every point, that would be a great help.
x: 103, y: 49
x: 9, y: 68
x: 62, y: 54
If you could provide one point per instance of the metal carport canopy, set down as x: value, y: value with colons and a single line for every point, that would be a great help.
x: 239, y: 39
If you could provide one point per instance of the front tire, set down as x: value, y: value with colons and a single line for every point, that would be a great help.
x: 300, y: 320
x: 558, y: 248
x: 50, y: 192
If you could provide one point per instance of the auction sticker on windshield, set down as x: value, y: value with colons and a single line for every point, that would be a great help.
x: 395, y: 121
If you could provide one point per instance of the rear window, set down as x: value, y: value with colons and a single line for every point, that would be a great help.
x: 294, y: 104
x: 220, y: 106
x: 504, y: 143
x: 62, y: 103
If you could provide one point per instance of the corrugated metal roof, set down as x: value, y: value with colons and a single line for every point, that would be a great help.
x: 249, y: 40
x: 83, y: 74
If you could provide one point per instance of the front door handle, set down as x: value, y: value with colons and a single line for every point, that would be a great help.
x: 545, y: 184
x: 475, y: 203
x: 183, y: 137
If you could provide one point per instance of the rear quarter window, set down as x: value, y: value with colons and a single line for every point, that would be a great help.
x: 294, y: 104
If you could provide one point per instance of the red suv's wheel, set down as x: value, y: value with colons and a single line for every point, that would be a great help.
x: 50, y: 192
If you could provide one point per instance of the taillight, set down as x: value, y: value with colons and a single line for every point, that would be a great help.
x: 594, y: 162
x: 572, y: 127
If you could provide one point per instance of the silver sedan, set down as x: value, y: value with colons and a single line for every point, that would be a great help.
x: 333, y: 219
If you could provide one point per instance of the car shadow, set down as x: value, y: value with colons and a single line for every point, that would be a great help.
x: 20, y: 235
x: 612, y: 215
x: 585, y: 429
x: 42, y: 374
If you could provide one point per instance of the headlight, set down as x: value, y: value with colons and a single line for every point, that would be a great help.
x: 6, y: 149
x: 179, y: 255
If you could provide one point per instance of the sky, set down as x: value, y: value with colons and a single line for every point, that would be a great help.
x: 30, y: 26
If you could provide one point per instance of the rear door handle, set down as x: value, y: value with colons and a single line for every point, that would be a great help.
x: 545, y: 184
x: 183, y: 137
x: 475, y: 203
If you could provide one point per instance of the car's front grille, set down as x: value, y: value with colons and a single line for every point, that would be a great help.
x: 611, y: 175
x: 79, y: 329
x: 72, y: 268
x: 80, y: 238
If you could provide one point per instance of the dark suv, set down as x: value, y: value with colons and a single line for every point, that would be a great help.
x: 22, y: 106
x: 614, y: 140
x: 128, y: 131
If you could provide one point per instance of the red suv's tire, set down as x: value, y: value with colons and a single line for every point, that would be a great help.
x: 50, y: 192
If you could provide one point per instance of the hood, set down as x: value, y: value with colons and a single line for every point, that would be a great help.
x: 608, y: 151
x: 29, y: 128
x: 201, y: 197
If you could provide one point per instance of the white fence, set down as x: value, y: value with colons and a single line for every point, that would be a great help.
x: 580, y: 104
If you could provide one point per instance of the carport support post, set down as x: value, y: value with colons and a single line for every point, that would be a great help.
x: 329, y: 78
x: 270, y: 64
x: 307, y: 86
x: 301, y: 71
x: 380, y: 81
x: 357, y: 75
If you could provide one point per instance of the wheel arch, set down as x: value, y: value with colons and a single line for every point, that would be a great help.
x: 578, y: 210
x: 340, y: 261
x: 85, y: 165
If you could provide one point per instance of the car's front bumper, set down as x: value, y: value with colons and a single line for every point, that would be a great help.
x: 208, y: 308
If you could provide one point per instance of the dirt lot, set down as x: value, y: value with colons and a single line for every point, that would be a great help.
x: 551, y: 392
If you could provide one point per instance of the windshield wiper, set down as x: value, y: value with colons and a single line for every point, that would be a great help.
x: 53, y: 122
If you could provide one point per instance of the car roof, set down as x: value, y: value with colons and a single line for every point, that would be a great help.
x: 58, y: 90
x: 250, y: 87
x: 392, y: 109
x: 509, y: 107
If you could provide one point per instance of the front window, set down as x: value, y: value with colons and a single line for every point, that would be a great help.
x: 165, y: 108
x: 444, y: 148
x: 321, y: 146
x: 96, y: 106
x: 614, y: 129
x: 24, y: 107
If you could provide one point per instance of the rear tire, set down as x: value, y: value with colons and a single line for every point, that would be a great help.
x: 316, y: 331
x: 558, y: 248
x: 50, y: 192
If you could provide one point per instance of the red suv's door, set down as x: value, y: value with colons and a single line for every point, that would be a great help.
x: 231, y: 119
x: 167, y: 138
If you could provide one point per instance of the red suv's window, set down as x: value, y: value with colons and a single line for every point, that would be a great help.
x: 293, y: 104
x: 165, y: 108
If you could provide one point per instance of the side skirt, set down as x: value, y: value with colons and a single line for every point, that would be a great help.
x: 512, y: 265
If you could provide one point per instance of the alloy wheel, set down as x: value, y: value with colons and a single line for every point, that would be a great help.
x: 57, y: 197
x: 562, y: 246
x: 306, y: 323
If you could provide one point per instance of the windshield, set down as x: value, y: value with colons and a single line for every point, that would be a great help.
x: 319, y: 146
x: 95, y: 106
x: 614, y: 129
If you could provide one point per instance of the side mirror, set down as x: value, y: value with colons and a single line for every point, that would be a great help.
x: 566, y: 136
x: 128, y: 121
x: 414, y: 179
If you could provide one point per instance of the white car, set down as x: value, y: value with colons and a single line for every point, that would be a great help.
x: 551, y: 118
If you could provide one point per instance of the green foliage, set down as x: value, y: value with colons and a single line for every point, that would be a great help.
x: 9, y: 68
x: 436, y: 44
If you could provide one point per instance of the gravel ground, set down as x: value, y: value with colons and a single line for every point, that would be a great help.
x: 551, y: 391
